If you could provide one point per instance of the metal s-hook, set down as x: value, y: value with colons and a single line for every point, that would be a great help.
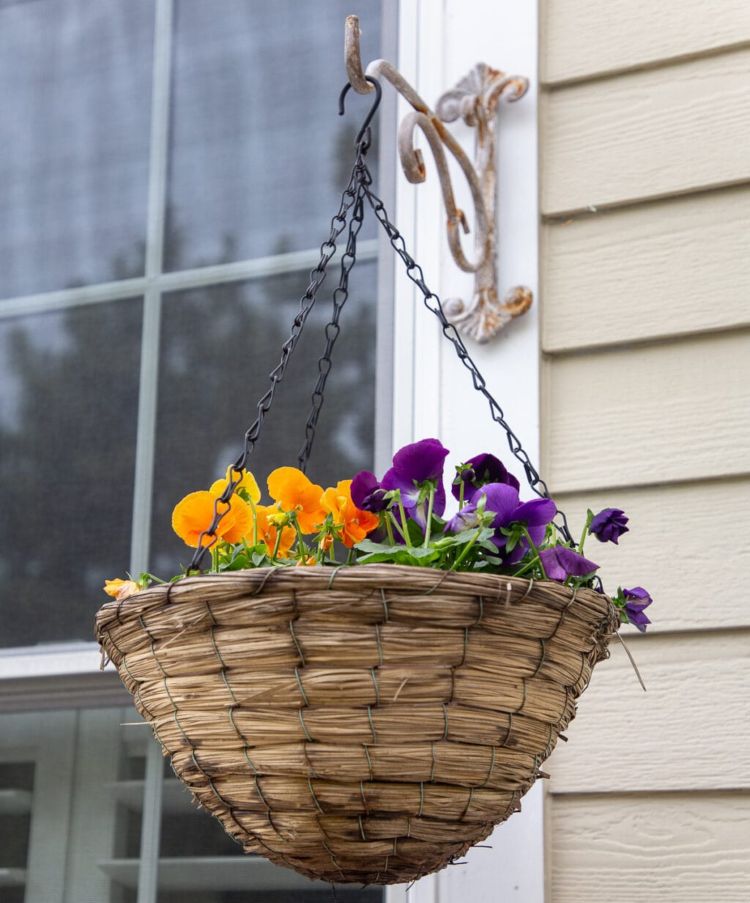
x: 364, y: 136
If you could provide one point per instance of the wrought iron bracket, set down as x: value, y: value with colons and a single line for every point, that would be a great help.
x: 475, y: 99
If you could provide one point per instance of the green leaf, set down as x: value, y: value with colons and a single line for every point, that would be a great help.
x: 399, y: 555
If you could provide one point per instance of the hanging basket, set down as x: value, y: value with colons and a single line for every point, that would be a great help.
x: 366, y: 724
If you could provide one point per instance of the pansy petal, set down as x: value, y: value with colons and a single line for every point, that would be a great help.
x: 409, y: 492
x: 480, y: 470
x: 517, y: 553
x: 421, y: 460
x: 552, y: 567
x: 367, y: 493
x: 535, y: 513
x: 438, y: 506
x: 537, y: 534
x: 463, y: 520
x: 575, y: 565
x: 501, y: 499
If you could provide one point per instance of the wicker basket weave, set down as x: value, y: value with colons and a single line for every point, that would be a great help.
x: 367, y: 724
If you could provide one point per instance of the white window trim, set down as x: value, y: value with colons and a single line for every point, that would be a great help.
x: 439, y: 42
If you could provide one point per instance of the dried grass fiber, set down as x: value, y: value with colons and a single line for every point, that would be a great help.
x: 366, y: 724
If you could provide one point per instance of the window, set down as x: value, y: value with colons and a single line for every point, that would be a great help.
x: 170, y: 170
x: 173, y: 167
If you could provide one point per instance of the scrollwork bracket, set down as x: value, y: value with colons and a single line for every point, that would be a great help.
x: 475, y: 99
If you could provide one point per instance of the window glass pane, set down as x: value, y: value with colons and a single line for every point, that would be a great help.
x: 68, y: 402
x: 218, y: 346
x: 259, y: 156
x: 74, y: 132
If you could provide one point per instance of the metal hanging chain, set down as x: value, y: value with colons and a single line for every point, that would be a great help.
x: 362, y: 143
x: 333, y: 329
x: 356, y: 190
x: 433, y: 303
x: 317, y: 275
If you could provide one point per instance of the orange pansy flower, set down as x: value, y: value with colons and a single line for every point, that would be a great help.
x: 354, y: 523
x: 120, y: 589
x: 295, y: 492
x: 195, y: 513
x: 248, y: 483
x: 268, y: 531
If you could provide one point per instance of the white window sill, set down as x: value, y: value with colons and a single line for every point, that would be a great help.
x: 49, y: 659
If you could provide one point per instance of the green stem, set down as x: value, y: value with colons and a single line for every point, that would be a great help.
x: 428, y: 525
x: 461, y: 489
x: 585, y: 533
x: 466, y: 549
x: 301, y: 547
x: 255, y: 521
x: 527, y: 567
x: 396, y: 524
x: 350, y: 558
x: 385, y: 520
x: 535, y: 551
x: 404, y: 530
x: 276, y: 544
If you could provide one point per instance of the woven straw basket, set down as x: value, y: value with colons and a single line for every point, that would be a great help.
x: 366, y: 724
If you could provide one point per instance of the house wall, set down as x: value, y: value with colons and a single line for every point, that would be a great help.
x: 645, y: 283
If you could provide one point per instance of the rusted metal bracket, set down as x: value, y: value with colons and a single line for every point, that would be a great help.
x: 475, y: 99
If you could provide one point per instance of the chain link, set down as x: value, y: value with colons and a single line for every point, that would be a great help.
x: 333, y: 329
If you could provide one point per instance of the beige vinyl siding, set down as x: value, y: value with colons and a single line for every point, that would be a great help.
x: 688, y: 847
x: 631, y: 415
x: 645, y: 303
x: 666, y: 131
x: 690, y: 730
x: 584, y: 38
x: 649, y: 271
x: 686, y: 512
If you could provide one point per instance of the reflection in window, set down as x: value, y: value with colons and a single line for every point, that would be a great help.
x: 218, y: 346
x: 258, y: 154
x: 74, y: 132
x: 68, y: 403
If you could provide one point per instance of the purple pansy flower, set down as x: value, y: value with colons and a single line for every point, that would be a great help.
x: 609, y: 525
x: 560, y: 562
x: 636, y: 600
x: 502, y: 500
x: 414, y: 465
x: 477, y: 472
x: 367, y: 493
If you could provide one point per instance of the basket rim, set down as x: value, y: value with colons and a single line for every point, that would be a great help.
x: 253, y: 581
